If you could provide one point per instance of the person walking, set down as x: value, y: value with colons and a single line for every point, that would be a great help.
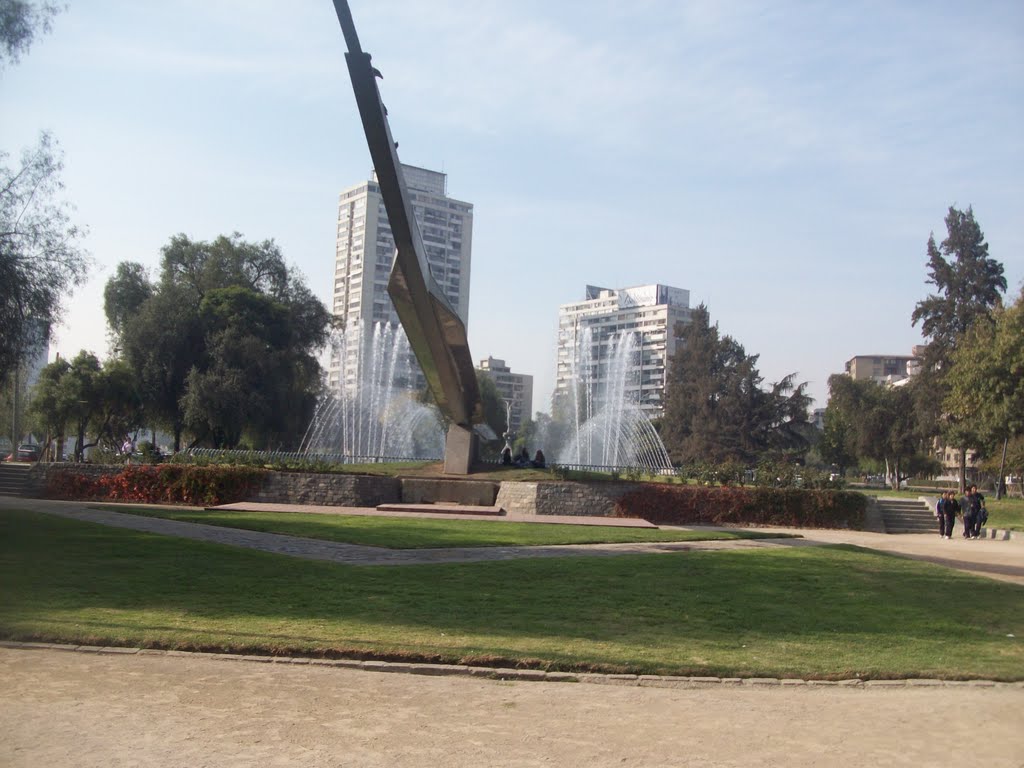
x: 946, y: 511
x: 980, y: 513
x: 970, y: 510
x: 954, y: 510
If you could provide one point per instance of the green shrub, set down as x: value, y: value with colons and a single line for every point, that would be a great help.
x: 162, y: 484
x: 664, y: 504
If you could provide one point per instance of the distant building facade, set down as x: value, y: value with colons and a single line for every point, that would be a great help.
x: 366, y: 250
x: 818, y: 419
x: 650, y: 312
x: 883, y: 369
x: 516, y: 389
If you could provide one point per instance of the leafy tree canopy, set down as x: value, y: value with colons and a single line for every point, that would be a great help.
x: 20, y: 22
x: 969, y: 285
x: 987, y: 387
x: 716, y: 407
x: 224, y: 344
x: 98, y: 404
x: 876, y: 423
x: 40, y: 255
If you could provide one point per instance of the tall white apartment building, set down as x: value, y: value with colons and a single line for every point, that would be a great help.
x: 516, y: 389
x: 648, y: 312
x: 366, y: 250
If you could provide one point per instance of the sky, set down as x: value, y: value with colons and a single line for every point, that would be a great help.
x: 785, y: 162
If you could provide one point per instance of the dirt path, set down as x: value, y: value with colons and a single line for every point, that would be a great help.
x: 61, y: 709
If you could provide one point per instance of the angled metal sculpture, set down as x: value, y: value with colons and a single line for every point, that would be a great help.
x: 436, y: 333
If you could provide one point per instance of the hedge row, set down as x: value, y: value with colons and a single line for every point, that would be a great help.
x: 161, y: 484
x: 697, y: 505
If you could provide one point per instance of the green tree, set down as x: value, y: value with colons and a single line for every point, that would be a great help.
x: 969, y: 286
x: 837, y: 442
x: 124, y: 295
x: 98, y: 404
x: 20, y: 22
x: 224, y: 344
x: 250, y: 380
x: 987, y: 387
x: 877, y: 424
x: 40, y: 255
x: 495, y: 413
x: 716, y: 406
x: 49, y: 406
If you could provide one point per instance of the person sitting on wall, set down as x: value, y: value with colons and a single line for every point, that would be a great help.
x: 523, y: 459
x: 538, y: 459
x: 506, y: 456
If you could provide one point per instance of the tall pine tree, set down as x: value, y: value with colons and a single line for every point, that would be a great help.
x: 716, y: 408
x: 969, y: 286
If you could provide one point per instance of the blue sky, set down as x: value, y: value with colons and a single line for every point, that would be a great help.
x: 784, y: 161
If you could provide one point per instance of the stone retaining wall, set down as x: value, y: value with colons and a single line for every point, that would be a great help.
x: 329, y: 490
x: 546, y: 498
x: 562, y: 498
x: 421, y: 490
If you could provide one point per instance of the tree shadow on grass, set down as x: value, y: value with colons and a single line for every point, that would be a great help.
x: 654, y: 610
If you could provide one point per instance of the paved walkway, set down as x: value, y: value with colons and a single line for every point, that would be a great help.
x: 60, y: 709
x: 1002, y: 560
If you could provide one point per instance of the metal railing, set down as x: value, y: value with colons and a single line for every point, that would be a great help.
x: 271, y: 457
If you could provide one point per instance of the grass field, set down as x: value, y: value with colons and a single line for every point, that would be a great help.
x: 832, y: 612
x: 423, y: 533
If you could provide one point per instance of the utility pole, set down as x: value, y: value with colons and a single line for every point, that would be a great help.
x: 15, y: 437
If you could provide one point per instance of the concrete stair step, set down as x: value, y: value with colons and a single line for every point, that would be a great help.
x: 13, y: 479
x: 443, y: 508
x: 907, y: 516
x: 929, y: 532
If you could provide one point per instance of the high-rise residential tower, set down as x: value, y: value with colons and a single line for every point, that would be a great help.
x: 649, y: 312
x: 515, y: 389
x: 366, y: 250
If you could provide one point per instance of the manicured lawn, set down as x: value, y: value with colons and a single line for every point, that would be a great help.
x: 423, y: 533
x: 787, y: 612
x: 1005, y: 513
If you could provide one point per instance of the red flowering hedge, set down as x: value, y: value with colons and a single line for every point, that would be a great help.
x: 698, y: 505
x: 161, y: 484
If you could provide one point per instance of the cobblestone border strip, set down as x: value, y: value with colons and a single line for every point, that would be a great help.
x: 526, y: 675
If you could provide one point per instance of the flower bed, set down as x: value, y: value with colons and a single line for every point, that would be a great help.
x: 161, y: 484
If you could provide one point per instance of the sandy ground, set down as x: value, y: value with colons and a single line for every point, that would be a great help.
x: 75, y: 709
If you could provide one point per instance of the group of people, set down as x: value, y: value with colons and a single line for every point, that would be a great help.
x: 971, y: 508
x: 522, y: 459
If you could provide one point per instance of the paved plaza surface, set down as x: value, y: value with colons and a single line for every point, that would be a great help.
x: 60, y: 708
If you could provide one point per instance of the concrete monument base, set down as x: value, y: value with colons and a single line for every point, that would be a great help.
x: 460, y: 450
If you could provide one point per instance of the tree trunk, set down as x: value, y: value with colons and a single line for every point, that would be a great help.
x: 1002, y: 469
x: 963, y: 470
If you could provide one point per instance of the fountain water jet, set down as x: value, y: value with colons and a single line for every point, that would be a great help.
x: 376, y: 418
x: 610, y: 429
